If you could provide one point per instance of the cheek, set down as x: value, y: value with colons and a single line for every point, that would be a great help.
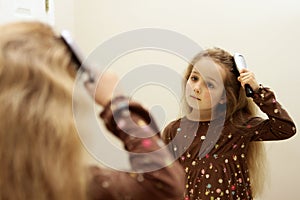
x: 207, y: 96
x: 216, y: 98
x: 210, y: 97
x: 188, y: 89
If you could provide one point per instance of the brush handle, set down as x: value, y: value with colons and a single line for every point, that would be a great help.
x: 249, y: 91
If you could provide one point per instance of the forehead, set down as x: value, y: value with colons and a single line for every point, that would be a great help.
x: 207, y: 68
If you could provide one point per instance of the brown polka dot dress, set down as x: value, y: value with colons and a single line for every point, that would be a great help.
x: 153, y: 174
x: 222, y: 172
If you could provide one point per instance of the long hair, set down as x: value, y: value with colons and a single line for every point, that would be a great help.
x: 238, y: 110
x: 40, y: 152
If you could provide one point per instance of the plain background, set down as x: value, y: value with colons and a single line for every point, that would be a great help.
x: 266, y: 32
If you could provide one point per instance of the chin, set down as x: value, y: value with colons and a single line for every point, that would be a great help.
x: 194, y: 105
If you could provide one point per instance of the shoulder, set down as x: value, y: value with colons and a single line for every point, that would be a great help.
x: 173, y: 124
x: 248, y: 124
x: 168, y: 131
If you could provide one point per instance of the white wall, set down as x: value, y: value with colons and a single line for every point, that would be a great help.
x: 14, y: 10
x: 60, y: 14
x: 266, y: 32
x: 64, y: 15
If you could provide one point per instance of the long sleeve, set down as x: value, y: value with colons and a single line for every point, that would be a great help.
x: 279, y: 124
x: 155, y: 175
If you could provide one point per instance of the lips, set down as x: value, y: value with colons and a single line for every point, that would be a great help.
x: 195, y: 98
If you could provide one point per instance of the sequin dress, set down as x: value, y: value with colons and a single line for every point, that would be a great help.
x: 155, y: 174
x: 222, y: 173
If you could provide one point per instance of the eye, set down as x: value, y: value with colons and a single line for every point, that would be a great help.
x: 194, y: 78
x: 210, y: 85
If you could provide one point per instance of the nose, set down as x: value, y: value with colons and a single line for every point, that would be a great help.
x: 197, y: 88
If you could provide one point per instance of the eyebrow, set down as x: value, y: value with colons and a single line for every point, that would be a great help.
x: 209, y: 78
x: 195, y: 72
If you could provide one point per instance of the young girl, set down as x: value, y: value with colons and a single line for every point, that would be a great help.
x: 217, y: 141
x: 41, y: 155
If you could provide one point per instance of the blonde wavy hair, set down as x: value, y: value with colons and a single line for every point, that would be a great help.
x: 40, y: 152
x: 238, y: 110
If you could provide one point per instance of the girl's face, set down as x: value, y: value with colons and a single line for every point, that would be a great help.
x: 205, y: 87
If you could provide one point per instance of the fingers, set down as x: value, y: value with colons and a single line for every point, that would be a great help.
x: 104, y: 88
x: 248, y: 77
